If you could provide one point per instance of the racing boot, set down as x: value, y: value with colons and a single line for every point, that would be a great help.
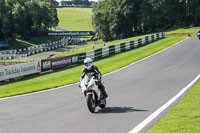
x: 105, y: 94
x: 103, y: 91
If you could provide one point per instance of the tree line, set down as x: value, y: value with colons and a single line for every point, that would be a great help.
x: 22, y: 17
x: 117, y: 19
x: 71, y: 3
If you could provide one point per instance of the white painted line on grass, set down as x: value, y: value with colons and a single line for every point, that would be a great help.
x: 140, y: 126
x: 43, y: 91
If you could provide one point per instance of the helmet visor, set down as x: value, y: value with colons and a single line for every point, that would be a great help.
x: 88, y: 64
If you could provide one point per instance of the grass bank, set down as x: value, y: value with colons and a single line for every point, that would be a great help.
x: 75, y: 19
x: 183, y: 31
x: 95, y: 45
x: 19, y: 43
x: 184, y: 118
x: 67, y: 76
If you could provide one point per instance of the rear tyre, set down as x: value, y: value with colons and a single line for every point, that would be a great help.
x: 90, y: 103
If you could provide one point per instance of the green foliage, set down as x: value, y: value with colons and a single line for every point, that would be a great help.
x: 111, y: 18
x: 20, y: 18
x: 116, y: 19
x: 69, y: 3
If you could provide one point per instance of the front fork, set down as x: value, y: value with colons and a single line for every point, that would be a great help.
x: 94, y: 104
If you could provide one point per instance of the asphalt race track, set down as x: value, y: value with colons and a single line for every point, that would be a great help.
x: 134, y: 93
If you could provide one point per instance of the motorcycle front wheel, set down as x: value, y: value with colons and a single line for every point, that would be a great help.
x: 90, y: 103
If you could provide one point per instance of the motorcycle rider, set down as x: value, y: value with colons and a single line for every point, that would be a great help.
x: 198, y: 34
x: 91, y: 70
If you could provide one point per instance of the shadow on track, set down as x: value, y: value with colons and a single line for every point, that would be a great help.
x: 119, y: 110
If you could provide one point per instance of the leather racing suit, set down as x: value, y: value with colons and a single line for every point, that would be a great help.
x: 93, y: 71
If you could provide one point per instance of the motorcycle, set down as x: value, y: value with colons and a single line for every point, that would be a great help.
x: 198, y: 35
x: 94, y: 96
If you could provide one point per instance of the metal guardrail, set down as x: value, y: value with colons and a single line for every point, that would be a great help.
x: 16, y: 54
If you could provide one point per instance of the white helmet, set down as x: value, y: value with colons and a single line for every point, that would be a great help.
x: 88, y: 63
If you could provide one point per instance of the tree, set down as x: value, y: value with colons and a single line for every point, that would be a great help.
x: 100, y: 21
x: 19, y: 17
x: 113, y: 19
x: 53, y: 3
x: 116, y: 19
x: 76, y: 2
x: 2, y: 18
x: 147, y: 20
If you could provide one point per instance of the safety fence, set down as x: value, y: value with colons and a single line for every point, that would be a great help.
x: 14, y: 54
x: 13, y: 71
x: 118, y: 48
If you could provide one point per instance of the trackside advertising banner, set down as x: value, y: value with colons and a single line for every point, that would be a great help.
x: 71, y: 33
x: 18, y: 70
x: 59, y: 62
x: 46, y: 65
x: 64, y: 33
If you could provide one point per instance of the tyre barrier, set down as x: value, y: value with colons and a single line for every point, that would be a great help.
x: 13, y: 54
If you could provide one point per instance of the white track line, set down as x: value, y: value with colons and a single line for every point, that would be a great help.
x: 140, y: 126
x: 104, y: 74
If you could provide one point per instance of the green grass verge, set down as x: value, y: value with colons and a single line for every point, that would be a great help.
x: 51, y: 80
x: 75, y: 19
x: 184, y: 118
x: 95, y: 45
x: 184, y: 31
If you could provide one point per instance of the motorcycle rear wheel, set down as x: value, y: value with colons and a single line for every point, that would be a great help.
x: 90, y: 103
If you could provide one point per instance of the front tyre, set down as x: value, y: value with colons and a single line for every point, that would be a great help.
x: 90, y: 103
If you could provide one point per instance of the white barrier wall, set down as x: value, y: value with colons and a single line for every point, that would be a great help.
x: 105, y: 51
x: 7, y: 54
x: 136, y: 43
x: 90, y: 54
x: 117, y: 48
x: 127, y: 45
x: 13, y: 71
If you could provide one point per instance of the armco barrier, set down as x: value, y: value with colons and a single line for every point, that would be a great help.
x: 43, y: 47
x: 82, y: 56
x: 8, y: 54
x: 13, y: 54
